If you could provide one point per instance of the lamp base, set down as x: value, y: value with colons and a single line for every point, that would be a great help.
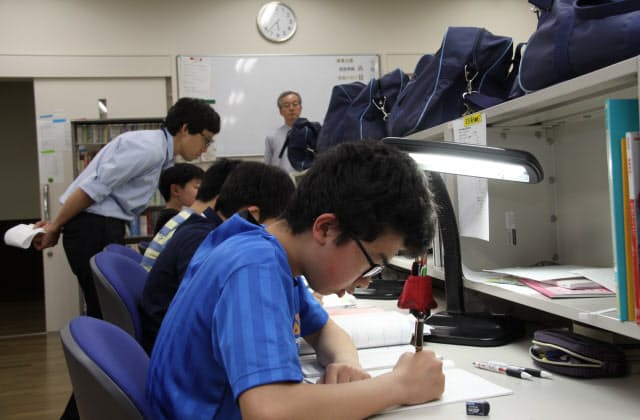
x: 473, y: 329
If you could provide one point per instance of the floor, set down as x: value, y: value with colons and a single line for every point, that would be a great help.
x: 34, y: 383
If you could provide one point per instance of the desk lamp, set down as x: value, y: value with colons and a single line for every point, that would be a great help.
x: 456, y: 326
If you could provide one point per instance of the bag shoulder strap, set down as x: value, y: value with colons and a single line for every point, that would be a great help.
x: 284, y: 145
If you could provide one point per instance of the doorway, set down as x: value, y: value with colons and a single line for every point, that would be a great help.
x: 22, y: 307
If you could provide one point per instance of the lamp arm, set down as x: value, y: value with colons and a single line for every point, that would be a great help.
x: 453, y: 279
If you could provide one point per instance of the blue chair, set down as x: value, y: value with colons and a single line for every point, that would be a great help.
x: 108, y: 370
x: 119, y: 282
x: 124, y: 250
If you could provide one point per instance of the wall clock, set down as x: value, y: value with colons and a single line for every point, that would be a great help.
x: 276, y: 21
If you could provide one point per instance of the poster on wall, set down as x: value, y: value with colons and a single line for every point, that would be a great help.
x: 54, y: 137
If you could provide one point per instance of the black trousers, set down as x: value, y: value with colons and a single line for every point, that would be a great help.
x: 84, y: 236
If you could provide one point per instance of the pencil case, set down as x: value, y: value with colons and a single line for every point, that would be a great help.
x: 564, y: 352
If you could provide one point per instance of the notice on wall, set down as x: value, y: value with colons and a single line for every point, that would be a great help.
x: 473, y: 193
x: 54, y: 137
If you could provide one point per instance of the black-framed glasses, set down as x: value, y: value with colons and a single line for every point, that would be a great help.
x: 375, y: 268
x: 207, y: 140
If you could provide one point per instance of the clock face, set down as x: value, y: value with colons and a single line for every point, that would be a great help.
x: 276, y: 21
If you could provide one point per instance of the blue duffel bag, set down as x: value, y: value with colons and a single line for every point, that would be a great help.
x: 471, y: 63
x: 333, y: 124
x: 366, y: 116
x: 575, y: 37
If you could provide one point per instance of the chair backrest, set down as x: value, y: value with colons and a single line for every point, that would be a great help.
x: 119, y: 282
x: 108, y: 370
x: 124, y: 250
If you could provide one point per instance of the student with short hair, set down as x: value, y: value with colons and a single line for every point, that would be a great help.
x: 205, y: 202
x: 262, y: 190
x: 178, y: 186
x: 227, y: 346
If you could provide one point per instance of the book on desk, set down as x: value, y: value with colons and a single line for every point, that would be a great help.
x: 381, y: 338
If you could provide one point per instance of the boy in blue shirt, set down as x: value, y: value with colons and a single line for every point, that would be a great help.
x: 227, y: 346
x: 260, y: 189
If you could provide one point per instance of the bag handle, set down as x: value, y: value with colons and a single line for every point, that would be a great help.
x: 380, y: 101
x: 604, y: 8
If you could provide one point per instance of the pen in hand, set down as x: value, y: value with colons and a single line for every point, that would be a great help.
x: 417, y: 296
x: 418, y: 335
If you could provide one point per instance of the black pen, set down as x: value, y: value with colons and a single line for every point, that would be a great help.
x: 516, y: 373
x: 418, y: 335
x: 531, y: 371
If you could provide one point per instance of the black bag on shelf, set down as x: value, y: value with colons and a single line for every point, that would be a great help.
x: 470, y: 62
x: 570, y: 354
x: 575, y: 37
x: 301, y: 143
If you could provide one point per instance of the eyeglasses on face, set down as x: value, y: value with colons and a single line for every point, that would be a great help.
x: 207, y: 140
x: 375, y: 268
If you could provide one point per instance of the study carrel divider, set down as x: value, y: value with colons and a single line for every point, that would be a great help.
x: 245, y: 89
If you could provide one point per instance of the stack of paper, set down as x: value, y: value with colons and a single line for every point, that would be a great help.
x: 562, y: 281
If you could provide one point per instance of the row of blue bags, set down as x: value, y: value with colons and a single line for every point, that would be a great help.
x: 469, y: 72
x: 474, y: 69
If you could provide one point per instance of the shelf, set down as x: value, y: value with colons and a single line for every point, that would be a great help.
x: 553, y: 106
x: 569, y: 118
x: 597, y: 312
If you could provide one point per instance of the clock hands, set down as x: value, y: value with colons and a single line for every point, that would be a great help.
x: 275, y: 24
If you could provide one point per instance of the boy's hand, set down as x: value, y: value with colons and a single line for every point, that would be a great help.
x: 337, y: 373
x: 420, y: 376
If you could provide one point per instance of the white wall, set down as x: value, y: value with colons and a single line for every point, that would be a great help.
x: 398, y: 30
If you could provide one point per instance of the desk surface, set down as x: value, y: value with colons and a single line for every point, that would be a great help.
x: 547, y: 399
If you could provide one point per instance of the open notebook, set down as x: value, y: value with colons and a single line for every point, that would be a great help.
x: 381, y: 337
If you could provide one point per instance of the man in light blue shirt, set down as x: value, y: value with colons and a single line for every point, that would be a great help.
x: 116, y: 187
x: 118, y: 183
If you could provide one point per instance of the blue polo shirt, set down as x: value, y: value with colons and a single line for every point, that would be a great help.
x: 232, y: 326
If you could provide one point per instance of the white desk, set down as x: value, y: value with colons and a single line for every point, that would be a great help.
x: 546, y: 399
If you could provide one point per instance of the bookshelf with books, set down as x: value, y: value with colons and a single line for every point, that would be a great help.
x: 89, y: 136
x: 568, y: 218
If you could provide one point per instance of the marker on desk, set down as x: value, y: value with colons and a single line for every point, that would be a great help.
x: 516, y: 373
x: 531, y: 371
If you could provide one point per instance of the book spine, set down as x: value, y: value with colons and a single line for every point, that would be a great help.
x: 631, y: 307
x: 633, y: 168
x: 621, y: 116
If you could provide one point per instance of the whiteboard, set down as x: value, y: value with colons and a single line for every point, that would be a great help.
x: 246, y: 88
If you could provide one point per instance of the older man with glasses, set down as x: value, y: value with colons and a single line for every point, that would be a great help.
x: 290, y: 106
